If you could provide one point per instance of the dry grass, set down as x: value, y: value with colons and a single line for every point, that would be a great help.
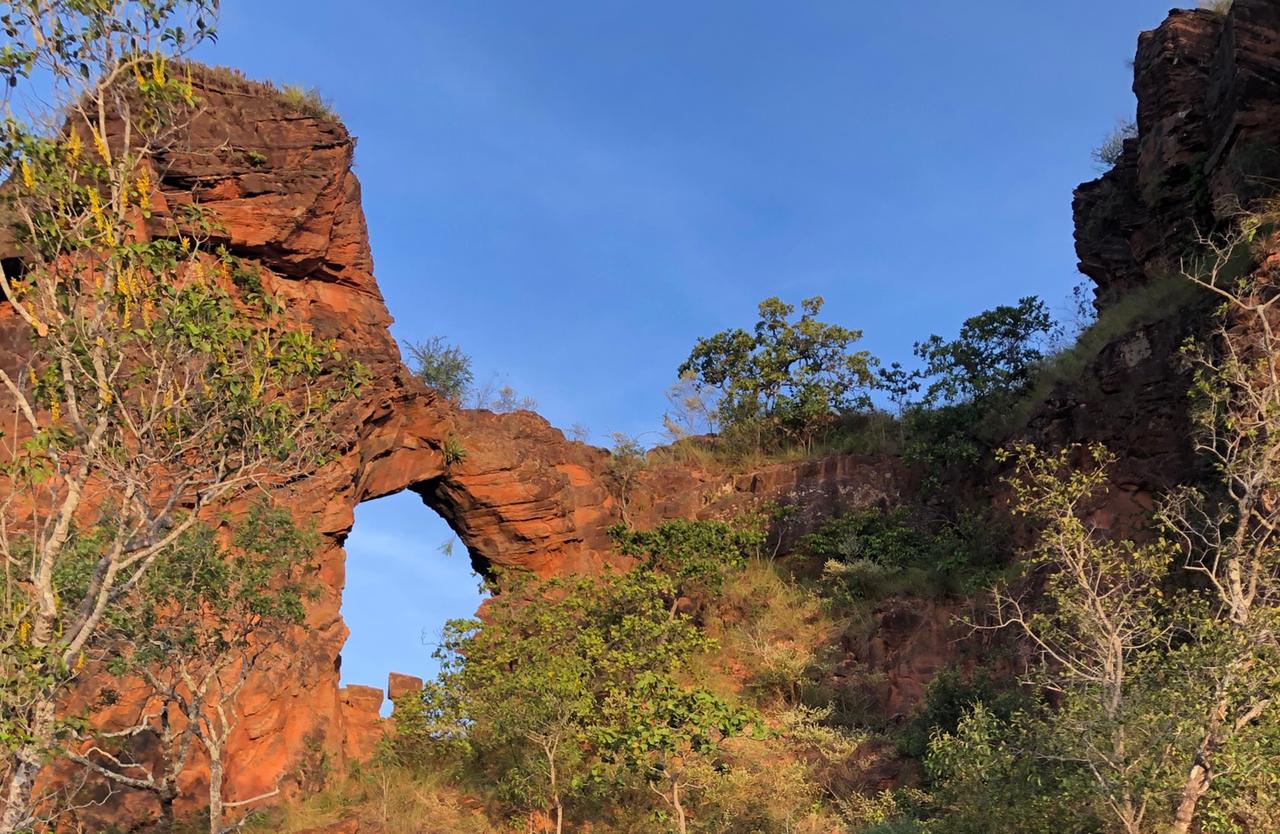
x: 772, y: 635
x: 304, y: 101
x: 386, y: 800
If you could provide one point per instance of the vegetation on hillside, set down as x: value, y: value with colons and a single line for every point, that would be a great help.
x: 1143, y: 701
x: 162, y: 379
x: 721, y: 683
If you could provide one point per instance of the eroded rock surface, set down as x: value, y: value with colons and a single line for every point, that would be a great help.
x: 280, y: 182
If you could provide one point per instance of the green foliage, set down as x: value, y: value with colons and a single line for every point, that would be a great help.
x: 163, y: 376
x: 88, y: 34
x: 968, y: 384
x: 952, y: 695
x: 442, y: 366
x: 573, y: 688
x: 523, y: 695
x: 206, y: 599
x: 208, y: 613
x: 788, y: 379
x: 695, y: 555
x: 663, y: 731
x: 986, y: 781
x: 871, y: 552
x: 995, y: 355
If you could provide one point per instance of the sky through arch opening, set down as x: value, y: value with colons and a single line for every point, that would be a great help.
x: 407, y: 574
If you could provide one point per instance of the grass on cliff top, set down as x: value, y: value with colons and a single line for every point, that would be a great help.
x: 1145, y: 305
x: 860, y: 433
x: 304, y: 101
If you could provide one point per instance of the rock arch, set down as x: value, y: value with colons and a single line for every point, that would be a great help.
x: 280, y: 184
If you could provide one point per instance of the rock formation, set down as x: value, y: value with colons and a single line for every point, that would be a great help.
x: 279, y: 181
x: 276, y: 177
x: 1207, y: 145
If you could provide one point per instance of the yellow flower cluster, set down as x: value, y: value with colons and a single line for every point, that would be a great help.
x: 100, y: 218
x: 134, y: 290
x: 74, y: 148
x: 143, y: 186
x: 100, y: 144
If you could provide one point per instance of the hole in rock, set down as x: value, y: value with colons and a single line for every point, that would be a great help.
x: 407, y: 574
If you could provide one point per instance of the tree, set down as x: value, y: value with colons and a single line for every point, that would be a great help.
x: 627, y: 460
x: 208, y: 617
x: 1105, y: 632
x: 442, y: 366
x: 163, y: 378
x: 1230, y: 531
x: 1165, y: 680
x: 523, y: 691
x: 664, y: 731
x: 970, y: 383
x: 788, y: 377
x: 995, y: 355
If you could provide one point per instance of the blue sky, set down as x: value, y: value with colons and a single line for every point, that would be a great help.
x: 575, y: 191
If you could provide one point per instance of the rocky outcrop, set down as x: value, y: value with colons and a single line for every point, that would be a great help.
x: 1207, y: 144
x: 1208, y: 119
x: 274, y: 178
x: 278, y: 179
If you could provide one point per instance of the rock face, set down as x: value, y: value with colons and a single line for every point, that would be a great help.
x: 1208, y: 143
x: 279, y: 181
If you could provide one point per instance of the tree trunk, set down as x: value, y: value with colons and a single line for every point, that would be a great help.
x: 167, y: 819
x: 215, y: 792
x: 681, y: 824
x: 1196, y: 786
x: 24, y: 766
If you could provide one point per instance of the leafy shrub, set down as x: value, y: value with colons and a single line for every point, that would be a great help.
x: 860, y: 579
x: 949, y: 697
x: 871, y: 553
x: 442, y: 366
x: 697, y: 555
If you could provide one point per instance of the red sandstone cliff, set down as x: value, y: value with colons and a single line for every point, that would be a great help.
x: 281, y: 184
